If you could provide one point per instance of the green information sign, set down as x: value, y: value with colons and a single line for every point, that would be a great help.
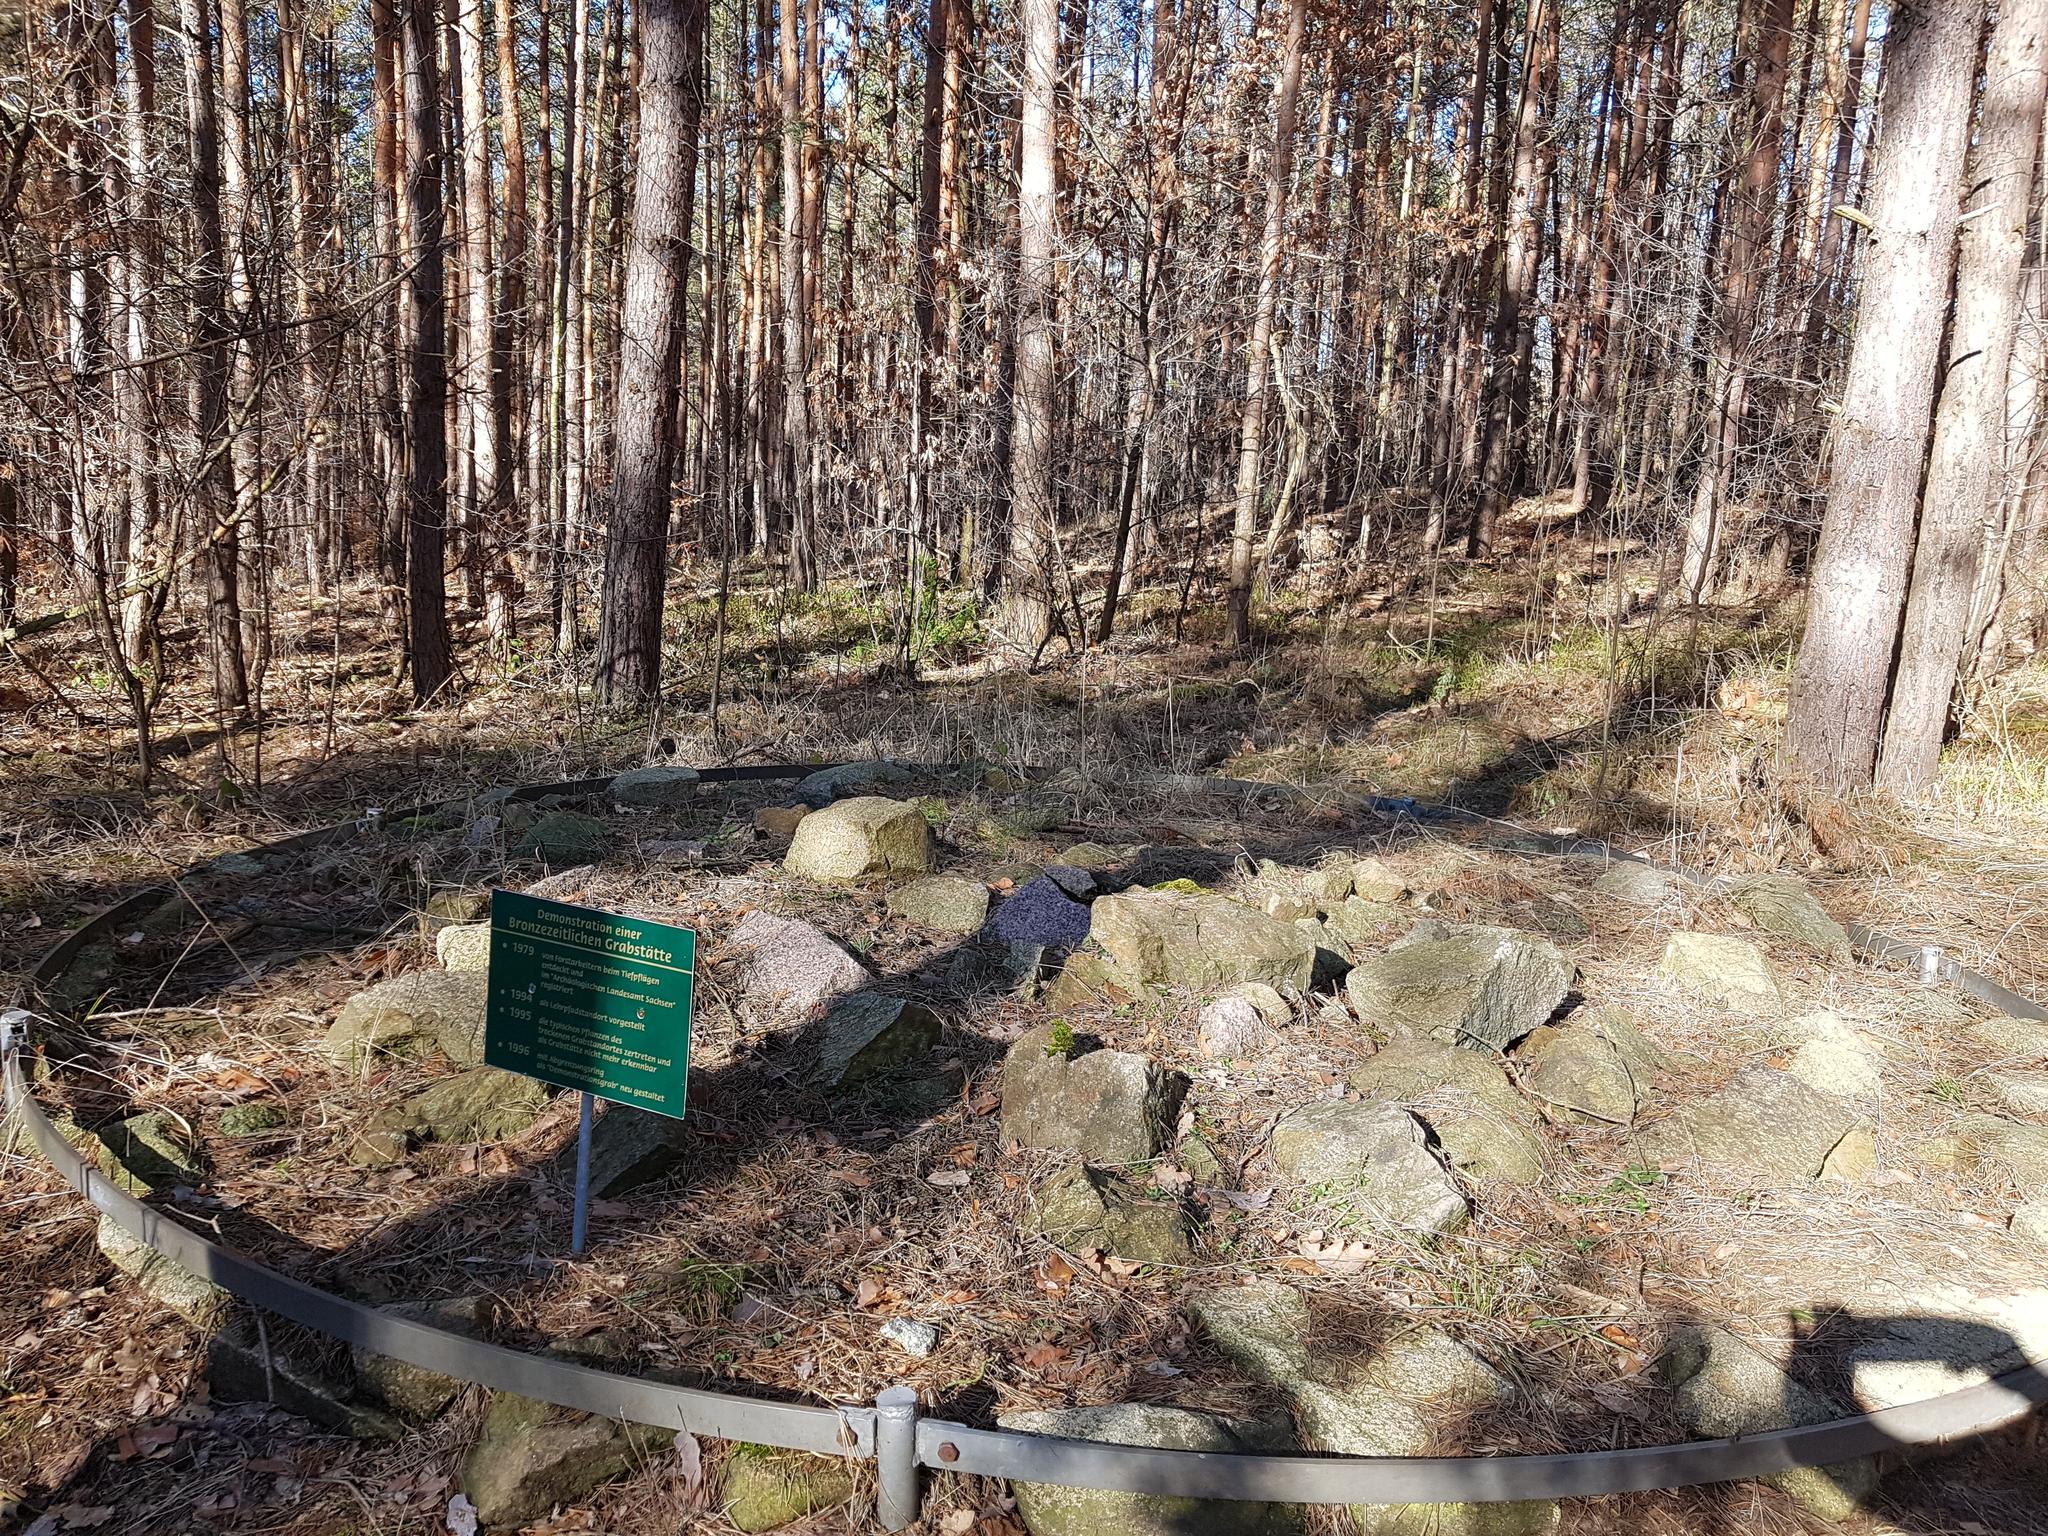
x: 588, y: 1000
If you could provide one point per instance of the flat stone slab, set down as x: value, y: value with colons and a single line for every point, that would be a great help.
x: 951, y: 904
x: 1203, y: 942
x: 1367, y: 1163
x: 1462, y: 984
x: 794, y: 970
x: 409, y: 1014
x: 1485, y: 1128
x: 1728, y: 972
x: 1763, y: 1124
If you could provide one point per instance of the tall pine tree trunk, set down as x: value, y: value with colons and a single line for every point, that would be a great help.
x: 426, y: 413
x: 1966, y: 468
x: 1258, y: 353
x: 1880, y: 442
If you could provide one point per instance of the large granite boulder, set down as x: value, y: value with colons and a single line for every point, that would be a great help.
x: 1721, y: 1387
x: 867, y: 835
x: 1763, y: 1125
x: 1834, y: 1057
x: 1368, y: 1164
x: 1485, y: 1128
x: 867, y: 1033
x: 1462, y: 984
x: 1049, y: 1509
x: 944, y: 903
x: 409, y: 1015
x: 792, y: 971
x: 1203, y: 942
x: 1728, y: 972
x: 1081, y: 1208
x: 1107, y: 1107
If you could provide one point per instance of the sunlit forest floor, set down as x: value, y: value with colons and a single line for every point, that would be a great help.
x: 1552, y: 691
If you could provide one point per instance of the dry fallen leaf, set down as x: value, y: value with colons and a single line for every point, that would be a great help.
x: 957, y: 1522
x: 1055, y: 1273
x: 1042, y: 1357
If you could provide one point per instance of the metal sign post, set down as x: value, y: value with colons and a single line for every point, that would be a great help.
x: 592, y: 1001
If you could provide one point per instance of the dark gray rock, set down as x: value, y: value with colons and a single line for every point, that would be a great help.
x: 1040, y: 913
x: 867, y: 1033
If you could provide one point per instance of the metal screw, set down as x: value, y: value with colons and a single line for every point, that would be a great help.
x: 948, y: 1452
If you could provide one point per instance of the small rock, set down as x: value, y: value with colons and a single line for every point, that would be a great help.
x: 1463, y: 984
x: 1781, y: 905
x: 657, y: 788
x: 915, y: 1339
x: 407, y: 1014
x: 1852, y: 1159
x: 1074, y: 880
x: 564, y: 838
x: 867, y: 835
x: 464, y: 947
x: 946, y: 903
x: 1721, y: 1387
x: 1202, y: 942
x: 1731, y: 973
x: 1083, y: 978
x: 1373, y: 1160
x: 866, y: 1033
x: 242, y: 1368
x: 1646, y: 1059
x: 1108, y: 1107
x: 1393, y: 1399
x: 1375, y: 880
x: 481, y: 833
x: 1637, y: 885
x: 2022, y: 1150
x: 1041, y: 913
x: 1080, y: 1208
x: 665, y: 850
x: 2030, y: 1221
x: 778, y: 823
x: 762, y: 1489
x: 1764, y: 1124
x: 1031, y: 815
x: 849, y: 779
x: 1050, y: 1509
x: 2023, y: 1094
x: 532, y: 1458
x: 1093, y: 857
x: 1576, y: 1069
x: 456, y: 905
x: 794, y: 970
x: 1232, y: 1029
x: 251, y: 1119
x: 1834, y: 1057
x: 1272, y: 1007
x: 1486, y: 1129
